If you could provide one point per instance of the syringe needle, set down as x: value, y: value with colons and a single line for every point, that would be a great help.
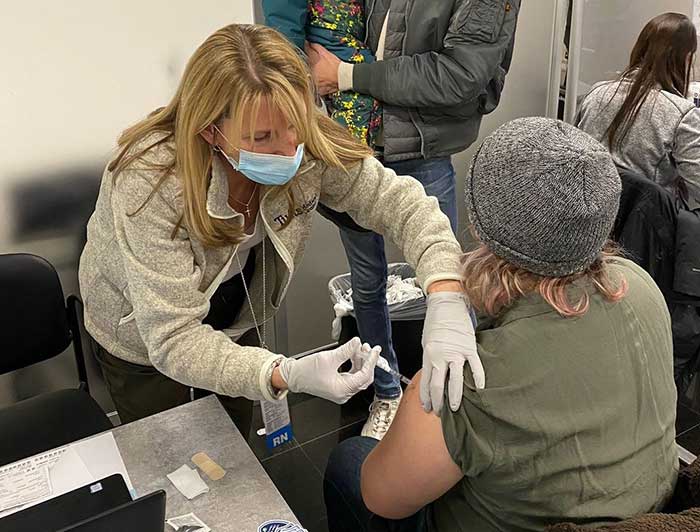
x: 382, y: 363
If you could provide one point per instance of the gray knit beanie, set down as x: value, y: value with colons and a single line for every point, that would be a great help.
x: 543, y: 195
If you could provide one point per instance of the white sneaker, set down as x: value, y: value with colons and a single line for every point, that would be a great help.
x: 381, y: 415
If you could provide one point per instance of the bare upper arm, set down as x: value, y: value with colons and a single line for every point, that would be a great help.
x: 411, y: 466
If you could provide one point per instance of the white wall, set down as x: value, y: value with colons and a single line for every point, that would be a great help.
x: 610, y: 29
x: 76, y: 73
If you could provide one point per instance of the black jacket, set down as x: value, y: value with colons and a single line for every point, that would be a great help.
x: 665, y: 240
x: 646, y: 228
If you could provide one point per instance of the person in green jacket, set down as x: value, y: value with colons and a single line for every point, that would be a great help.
x: 577, y: 419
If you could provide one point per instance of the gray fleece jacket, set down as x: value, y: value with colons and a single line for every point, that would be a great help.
x: 146, y: 293
x: 663, y: 143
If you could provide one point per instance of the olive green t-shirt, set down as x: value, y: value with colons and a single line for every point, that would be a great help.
x: 577, y: 419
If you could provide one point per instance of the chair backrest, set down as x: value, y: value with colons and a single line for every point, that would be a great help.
x: 33, y: 319
x: 645, y: 226
x: 637, y: 189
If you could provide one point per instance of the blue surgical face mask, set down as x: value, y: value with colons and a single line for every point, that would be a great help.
x: 267, y: 169
x: 264, y: 168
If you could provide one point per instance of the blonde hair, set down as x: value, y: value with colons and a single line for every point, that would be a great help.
x: 493, y: 284
x: 232, y: 70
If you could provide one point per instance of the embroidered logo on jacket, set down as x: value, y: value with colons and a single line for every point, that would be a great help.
x: 304, y: 208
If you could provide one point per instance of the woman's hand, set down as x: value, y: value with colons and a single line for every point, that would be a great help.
x: 318, y: 375
x: 324, y: 68
x: 448, y: 342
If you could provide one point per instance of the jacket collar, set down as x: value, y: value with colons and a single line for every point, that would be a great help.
x: 217, y: 194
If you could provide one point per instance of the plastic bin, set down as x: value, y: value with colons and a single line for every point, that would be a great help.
x: 406, y: 317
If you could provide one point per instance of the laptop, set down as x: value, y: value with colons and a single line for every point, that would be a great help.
x: 146, y: 514
x: 64, y: 510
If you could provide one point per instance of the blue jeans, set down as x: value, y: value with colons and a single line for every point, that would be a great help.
x: 438, y: 179
x: 365, y: 253
x: 341, y: 490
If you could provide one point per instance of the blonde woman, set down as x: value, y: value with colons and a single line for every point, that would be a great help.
x: 201, y: 224
x: 577, y: 421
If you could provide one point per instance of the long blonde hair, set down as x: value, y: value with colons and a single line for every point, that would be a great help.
x: 493, y: 284
x: 232, y: 70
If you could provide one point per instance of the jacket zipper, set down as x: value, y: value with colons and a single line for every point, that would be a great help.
x: 369, y: 16
x: 409, y: 6
x: 277, y: 243
x: 213, y: 287
x: 279, y: 247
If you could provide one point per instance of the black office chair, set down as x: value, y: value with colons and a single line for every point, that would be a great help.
x: 36, y: 324
x: 647, y: 226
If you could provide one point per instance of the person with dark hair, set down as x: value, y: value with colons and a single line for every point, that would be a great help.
x: 644, y: 118
x: 577, y: 419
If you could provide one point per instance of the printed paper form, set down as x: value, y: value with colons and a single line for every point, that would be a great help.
x: 42, y: 477
x: 22, y: 483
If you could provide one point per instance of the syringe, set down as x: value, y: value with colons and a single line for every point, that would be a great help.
x: 383, y: 363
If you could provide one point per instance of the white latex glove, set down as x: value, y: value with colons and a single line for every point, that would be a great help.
x: 359, y: 358
x: 318, y: 375
x: 448, y: 342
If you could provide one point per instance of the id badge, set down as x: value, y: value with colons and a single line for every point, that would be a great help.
x: 278, y: 426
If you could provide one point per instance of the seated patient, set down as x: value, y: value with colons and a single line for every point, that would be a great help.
x: 577, y: 419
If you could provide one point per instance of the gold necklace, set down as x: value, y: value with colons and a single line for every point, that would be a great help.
x: 246, y: 205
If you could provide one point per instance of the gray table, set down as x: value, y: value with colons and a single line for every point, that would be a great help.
x: 160, y: 444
